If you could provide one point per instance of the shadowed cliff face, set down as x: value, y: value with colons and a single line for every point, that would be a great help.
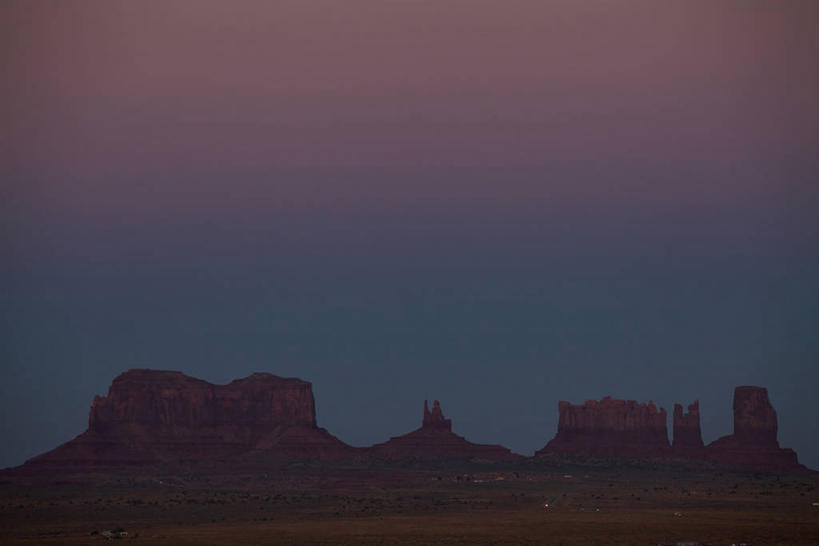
x: 610, y: 428
x: 174, y: 400
x: 754, y: 416
x: 687, y: 435
x: 753, y: 444
x: 152, y: 415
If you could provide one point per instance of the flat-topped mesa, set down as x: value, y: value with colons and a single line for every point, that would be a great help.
x: 753, y: 445
x: 435, y: 418
x: 158, y: 415
x: 687, y: 434
x: 435, y: 440
x: 172, y: 400
x: 610, y: 428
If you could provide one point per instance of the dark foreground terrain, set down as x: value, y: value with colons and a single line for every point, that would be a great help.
x: 420, y: 503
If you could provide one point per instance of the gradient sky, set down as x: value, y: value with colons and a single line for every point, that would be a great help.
x: 496, y: 204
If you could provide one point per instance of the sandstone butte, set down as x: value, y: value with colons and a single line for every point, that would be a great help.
x: 153, y: 416
x: 620, y: 428
x: 435, y: 440
x: 753, y: 445
x: 611, y: 428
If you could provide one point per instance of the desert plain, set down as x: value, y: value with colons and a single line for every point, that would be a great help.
x: 546, y: 500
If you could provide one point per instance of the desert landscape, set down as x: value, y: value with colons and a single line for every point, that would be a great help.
x: 541, y: 501
x: 170, y: 459
x: 364, y: 272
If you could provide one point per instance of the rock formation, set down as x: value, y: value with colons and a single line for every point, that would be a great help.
x: 435, y: 440
x: 151, y: 416
x: 754, y: 417
x: 687, y: 435
x: 610, y: 428
x: 753, y: 445
x: 435, y: 419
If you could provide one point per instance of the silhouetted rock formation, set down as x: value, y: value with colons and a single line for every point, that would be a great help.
x: 435, y: 440
x: 754, y: 417
x: 619, y: 428
x: 610, y: 428
x: 150, y: 416
x: 435, y: 418
x: 687, y: 435
x: 753, y: 445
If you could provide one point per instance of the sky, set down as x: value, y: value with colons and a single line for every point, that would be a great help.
x: 499, y: 205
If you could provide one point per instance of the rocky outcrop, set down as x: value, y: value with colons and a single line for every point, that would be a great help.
x: 610, y: 428
x: 619, y: 428
x: 151, y: 416
x: 754, y: 417
x: 435, y: 440
x: 687, y: 435
x: 753, y: 445
x: 176, y: 404
x: 435, y: 419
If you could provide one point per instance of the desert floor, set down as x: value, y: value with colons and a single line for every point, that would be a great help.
x: 465, y: 503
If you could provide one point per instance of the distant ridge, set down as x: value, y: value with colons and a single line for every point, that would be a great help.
x: 159, y: 416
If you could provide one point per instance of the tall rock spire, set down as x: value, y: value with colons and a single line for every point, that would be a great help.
x: 687, y: 434
x: 435, y: 418
x: 753, y: 445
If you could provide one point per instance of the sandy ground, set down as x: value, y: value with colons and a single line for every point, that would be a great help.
x: 472, y: 504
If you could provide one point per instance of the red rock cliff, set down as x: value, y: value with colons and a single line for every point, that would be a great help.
x: 754, y: 416
x: 753, y: 445
x: 153, y: 415
x: 687, y: 434
x: 174, y: 400
x: 610, y: 428
x: 435, y: 418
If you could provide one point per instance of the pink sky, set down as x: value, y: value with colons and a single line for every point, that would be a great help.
x: 195, y: 106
